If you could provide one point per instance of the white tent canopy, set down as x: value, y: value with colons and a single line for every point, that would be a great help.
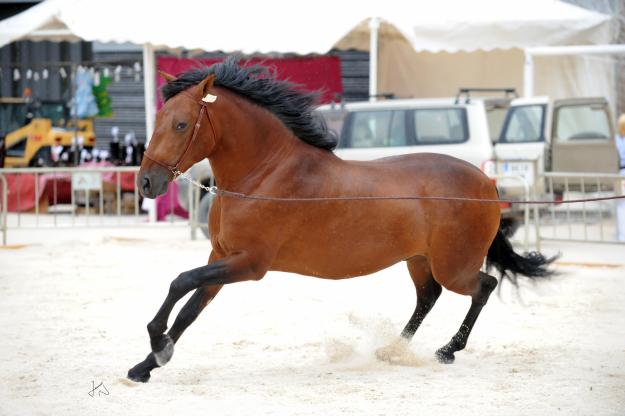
x: 247, y: 26
x: 481, y: 43
x: 275, y: 25
x: 452, y: 26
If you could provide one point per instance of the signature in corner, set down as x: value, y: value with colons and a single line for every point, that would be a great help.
x: 100, y: 389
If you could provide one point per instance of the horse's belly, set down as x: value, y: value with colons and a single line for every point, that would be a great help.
x: 345, y: 244
x: 343, y: 268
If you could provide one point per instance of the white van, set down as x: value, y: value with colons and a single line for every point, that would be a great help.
x: 542, y: 135
x: 370, y: 130
x: 567, y: 135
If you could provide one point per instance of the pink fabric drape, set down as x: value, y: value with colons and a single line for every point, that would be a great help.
x: 314, y: 73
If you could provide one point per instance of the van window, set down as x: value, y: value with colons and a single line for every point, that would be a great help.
x: 524, y: 124
x: 584, y: 121
x: 440, y: 125
x: 377, y: 129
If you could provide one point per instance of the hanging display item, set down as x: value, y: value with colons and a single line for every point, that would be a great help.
x: 102, y: 97
x: 85, y: 102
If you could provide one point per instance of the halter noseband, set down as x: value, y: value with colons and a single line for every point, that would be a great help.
x: 175, y: 168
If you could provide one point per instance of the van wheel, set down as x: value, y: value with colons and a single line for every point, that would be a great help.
x: 202, y: 213
x: 509, y: 226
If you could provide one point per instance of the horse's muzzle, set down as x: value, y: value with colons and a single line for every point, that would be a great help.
x: 152, y: 183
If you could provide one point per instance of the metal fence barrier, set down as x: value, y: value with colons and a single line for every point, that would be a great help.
x: 585, y: 221
x: 4, y: 191
x: 94, y: 201
x: 72, y: 197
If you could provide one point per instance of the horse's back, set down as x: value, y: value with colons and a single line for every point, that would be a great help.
x: 426, y: 162
x: 442, y: 174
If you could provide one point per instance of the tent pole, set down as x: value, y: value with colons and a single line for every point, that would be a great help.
x: 528, y: 75
x: 149, y: 88
x: 374, y: 26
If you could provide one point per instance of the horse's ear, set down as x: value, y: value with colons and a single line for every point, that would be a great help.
x: 207, y: 83
x: 167, y: 77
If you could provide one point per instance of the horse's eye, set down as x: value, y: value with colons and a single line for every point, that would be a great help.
x: 181, y: 126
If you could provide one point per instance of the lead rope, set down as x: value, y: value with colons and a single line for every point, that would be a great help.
x: 184, y: 175
x: 213, y: 190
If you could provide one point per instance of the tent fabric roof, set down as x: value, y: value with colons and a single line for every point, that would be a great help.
x: 273, y: 25
x: 495, y: 24
x: 248, y: 26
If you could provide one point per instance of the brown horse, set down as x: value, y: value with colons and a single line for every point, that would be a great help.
x: 263, y: 139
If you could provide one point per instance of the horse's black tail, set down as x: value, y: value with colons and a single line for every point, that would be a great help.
x: 502, y: 257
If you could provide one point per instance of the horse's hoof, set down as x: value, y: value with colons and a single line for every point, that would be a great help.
x: 445, y: 357
x: 165, y: 350
x: 138, y: 375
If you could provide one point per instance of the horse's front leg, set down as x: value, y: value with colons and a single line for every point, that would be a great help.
x: 190, y: 311
x: 232, y: 269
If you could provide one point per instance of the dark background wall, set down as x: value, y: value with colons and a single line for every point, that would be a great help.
x: 37, y: 56
x: 126, y: 93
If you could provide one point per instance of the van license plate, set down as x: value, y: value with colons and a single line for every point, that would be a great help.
x: 524, y: 169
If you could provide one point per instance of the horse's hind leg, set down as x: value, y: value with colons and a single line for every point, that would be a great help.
x: 189, y: 312
x: 486, y: 285
x: 428, y: 290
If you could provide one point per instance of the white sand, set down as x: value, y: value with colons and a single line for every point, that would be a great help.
x: 74, y: 307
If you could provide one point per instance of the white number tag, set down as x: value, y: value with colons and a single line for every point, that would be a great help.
x: 209, y: 98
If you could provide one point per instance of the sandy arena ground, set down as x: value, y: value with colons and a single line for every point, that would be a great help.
x: 75, y: 304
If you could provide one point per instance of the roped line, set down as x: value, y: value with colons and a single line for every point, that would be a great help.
x: 216, y: 191
x: 222, y: 192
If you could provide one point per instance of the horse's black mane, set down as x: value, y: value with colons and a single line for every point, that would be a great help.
x: 259, y: 84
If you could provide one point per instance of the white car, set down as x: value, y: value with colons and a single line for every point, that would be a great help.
x: 371, y: 130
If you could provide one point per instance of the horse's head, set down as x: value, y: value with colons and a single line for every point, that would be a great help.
x: 183, y: 135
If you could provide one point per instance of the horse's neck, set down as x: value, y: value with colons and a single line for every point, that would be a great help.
x: 253, y: 143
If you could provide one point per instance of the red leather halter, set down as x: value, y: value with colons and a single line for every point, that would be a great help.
x: 175, y: 168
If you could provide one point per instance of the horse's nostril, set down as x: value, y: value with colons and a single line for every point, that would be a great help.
x: 145, y: 184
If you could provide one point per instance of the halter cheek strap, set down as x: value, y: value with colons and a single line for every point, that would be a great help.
x: 175, y: 168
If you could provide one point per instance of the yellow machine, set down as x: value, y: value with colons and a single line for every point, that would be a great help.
x: 31, y: 131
